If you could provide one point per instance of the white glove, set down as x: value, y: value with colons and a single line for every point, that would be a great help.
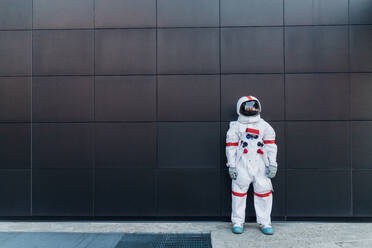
x: 271, y: 171
x: 233, y: 173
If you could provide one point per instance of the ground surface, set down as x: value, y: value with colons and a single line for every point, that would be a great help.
x: 287, y: 234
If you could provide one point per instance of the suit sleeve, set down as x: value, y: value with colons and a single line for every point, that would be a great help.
x: 270, y: 147
x: 232, y: 142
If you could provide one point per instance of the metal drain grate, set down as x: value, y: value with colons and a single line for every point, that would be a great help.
x: 165, y: 240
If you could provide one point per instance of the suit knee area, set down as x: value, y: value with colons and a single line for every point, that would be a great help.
x: 263, y: 194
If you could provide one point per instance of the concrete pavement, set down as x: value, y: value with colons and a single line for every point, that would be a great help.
x: 287, y: 234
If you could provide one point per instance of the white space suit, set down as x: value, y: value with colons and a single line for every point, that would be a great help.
x: 251, y: 149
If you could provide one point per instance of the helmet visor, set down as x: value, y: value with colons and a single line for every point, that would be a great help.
x: 250, y: 108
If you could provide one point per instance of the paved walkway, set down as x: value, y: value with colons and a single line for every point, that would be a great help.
x: 287, y: 234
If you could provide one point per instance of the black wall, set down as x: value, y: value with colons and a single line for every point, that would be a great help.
x: 120, y: 107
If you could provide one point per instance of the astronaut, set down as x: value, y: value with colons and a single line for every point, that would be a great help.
x: 251, y: 158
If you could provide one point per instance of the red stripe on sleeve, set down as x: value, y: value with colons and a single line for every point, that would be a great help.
x: 269, y: 141
x: 232, y: 144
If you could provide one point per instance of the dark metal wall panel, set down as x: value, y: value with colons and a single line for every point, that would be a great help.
x: 281, y: 142
x: 360, y: 12
x: 122, y: 145
x: 125, y: 51
x: 188, y: 193
x: 316, y: 12
x: 361, y: 48
x: 189, y: 98
x: 63, y: 52
x: 226, y: 194
x: 62, y: 99
x: 188, y: 51
x: 362, y: 200
x: 125, y: 13
x: 361, y: 132
x: 121, y: 107
x: 318, y: 145
x: 15, y: 99
x: 127, y: 98
x: 55, y: 14
x: 15, y: 50
x: 318, y: 193
x: 252, y: 50
x: 316, y: 49
x: 279, y: 193
x: 15, y: 14
x: 62, y: 146
x: 317, y: 96
x: 124, y: 192
x: 188, y: 145
x: 188, y: 13
x: 361, y: 91
x: 15, y: 192
x: 62, y: 192
x: 15, y: 146
x: 251, y: 12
